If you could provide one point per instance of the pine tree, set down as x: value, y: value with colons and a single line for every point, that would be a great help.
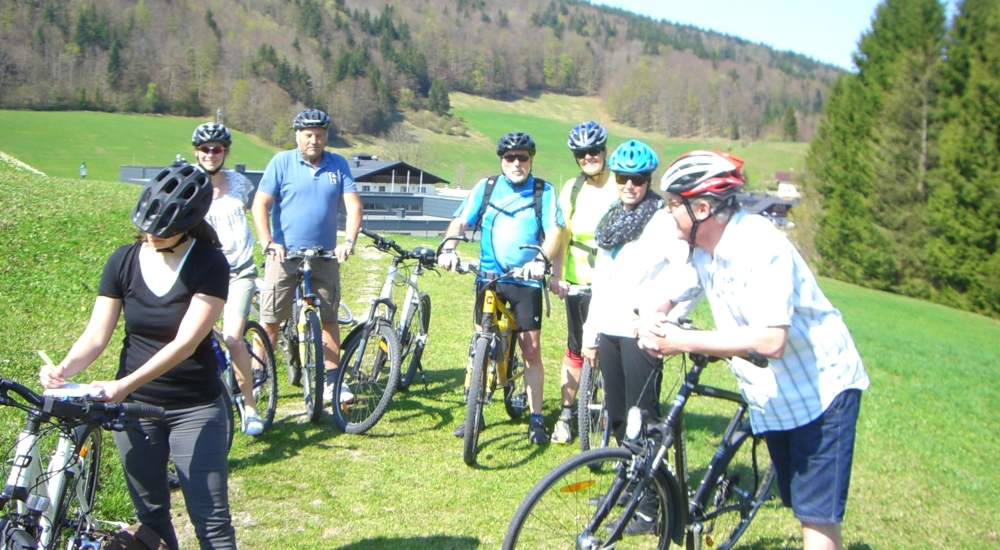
x: 962, y: 255
x: 790, y: 126
x: 437, y: 98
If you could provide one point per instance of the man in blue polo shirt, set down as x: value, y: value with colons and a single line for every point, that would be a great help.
x: 296, y: 206
x: 511, y: 219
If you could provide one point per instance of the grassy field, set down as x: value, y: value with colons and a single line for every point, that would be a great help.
x: 56, y: 142
x: 926, y: 442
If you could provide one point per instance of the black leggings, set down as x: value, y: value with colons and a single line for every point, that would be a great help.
x: 631, y: 377
x: 198, y: 440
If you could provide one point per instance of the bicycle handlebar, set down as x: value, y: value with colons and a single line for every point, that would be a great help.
x: 110, y: 414
x: 310, y: 252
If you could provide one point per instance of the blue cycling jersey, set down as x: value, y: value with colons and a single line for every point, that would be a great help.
x: 509, y: 222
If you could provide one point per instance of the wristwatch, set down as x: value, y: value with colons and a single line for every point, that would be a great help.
x: 265, y: 245
x: 349, y: 241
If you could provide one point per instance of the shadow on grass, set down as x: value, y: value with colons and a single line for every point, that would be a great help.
x: 774, y: 543
x: 285, y: 438
x: 514, y: 444
x: 423, y: 543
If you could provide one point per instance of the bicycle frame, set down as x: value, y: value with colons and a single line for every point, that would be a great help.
x: 37, y: 493
x: 498, y: 325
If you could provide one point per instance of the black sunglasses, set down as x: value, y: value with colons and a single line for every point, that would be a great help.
x: 511, y: 157
x: 637, y: 180
x: 593, y: 151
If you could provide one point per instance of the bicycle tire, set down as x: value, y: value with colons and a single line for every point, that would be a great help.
x: 228, y: 382
x: 288, y: 342
x: 515, y: 393
x: 475, y: 399
x: 372, y: 380
x: 313, y: 368
x: 738, y: 495
x: 262, y: 367
x: 78, y: 493
x: 592, y: 414
x: 558, y: 508
x: 413, y: 347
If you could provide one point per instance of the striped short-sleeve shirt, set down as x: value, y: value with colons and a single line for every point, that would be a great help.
x: 757, y: 278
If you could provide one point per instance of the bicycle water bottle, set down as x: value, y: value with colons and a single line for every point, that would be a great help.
x: 221, y: 356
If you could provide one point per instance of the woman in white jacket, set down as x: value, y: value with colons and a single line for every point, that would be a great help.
x: 636, y: 240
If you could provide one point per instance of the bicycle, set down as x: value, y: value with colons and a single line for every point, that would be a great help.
x: 589, y: 500
x: 495, y: 359
x: 52, y: 508
x: 300, y: 336
x: 371, y: 383
x: 262, y: 368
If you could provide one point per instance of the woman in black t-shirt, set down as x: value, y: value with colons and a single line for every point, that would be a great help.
x: 170, y: 286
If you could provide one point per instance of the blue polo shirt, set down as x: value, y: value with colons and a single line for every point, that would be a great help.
x: 306, y: 198
x: 509, y: 222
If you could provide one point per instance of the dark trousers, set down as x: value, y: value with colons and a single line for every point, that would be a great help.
x: 198, y: 440
x: 631, y: 378
x: 577, y: 306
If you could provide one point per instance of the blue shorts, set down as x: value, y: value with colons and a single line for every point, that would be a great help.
x: 813, y: 462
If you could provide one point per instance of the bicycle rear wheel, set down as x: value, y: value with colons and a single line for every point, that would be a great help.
x: 414, y: 339
x: 370, y: 374
x: 592, y: 414
x: 557, y: 510
x: 515, y: 393
x: 313, y: 367
x: 262, y: 366
x: 740, y: 491
x: 78, y: 493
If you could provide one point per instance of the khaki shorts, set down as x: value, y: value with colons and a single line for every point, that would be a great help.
x: 242, y: 286
x: 280, y: 280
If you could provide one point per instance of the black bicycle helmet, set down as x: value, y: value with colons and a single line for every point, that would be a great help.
x: 587, y: 135
x: 515, y: 140
x: 311, y: 118
x: 174, y: 201
x: 211, y: 131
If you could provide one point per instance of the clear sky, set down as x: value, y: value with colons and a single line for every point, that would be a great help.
x: 826, y: 30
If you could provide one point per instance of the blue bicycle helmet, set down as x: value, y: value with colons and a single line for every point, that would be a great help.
x: 515, y: 140
x: 633, y: 157
x: 587, y: 135
x: 211, y: 131
x: 311, y: 118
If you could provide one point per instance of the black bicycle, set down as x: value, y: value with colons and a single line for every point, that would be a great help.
x: 591, y: 500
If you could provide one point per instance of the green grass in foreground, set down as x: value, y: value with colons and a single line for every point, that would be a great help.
x: 923, y: 475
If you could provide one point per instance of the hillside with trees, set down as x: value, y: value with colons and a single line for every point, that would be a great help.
x: 907, y: 162
x: 370, y: 63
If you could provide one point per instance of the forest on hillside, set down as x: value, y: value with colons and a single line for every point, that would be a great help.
x: 907, y: 161
x: 259, y: 61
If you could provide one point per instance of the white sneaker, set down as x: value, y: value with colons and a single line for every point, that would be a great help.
x: 252, y: 424
x: 345, y: 395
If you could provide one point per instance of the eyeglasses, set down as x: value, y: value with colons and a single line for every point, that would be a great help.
x: 637, y: 180
x: 673, y: 204
x: 522, y: 158
x: 212, y: 149
x: 593, y: 151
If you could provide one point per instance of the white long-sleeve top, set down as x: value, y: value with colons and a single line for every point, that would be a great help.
x: 625, y: 278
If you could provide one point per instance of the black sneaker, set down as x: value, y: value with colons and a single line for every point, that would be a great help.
x: 536, y: 432
x: 639, y: 525
x: 596, y: 501
x: 460, y: 429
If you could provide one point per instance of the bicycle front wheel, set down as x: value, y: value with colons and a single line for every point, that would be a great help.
x: 313, y: 367
x: 557, y: 510
x: 262, y: 366
x: 414, y: 339
x: 740, y: 490
x: 370, y: 375
x: 78, y: 493
x: 475, y: 400
x: 592, y: 414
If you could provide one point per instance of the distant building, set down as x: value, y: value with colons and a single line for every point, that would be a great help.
x: 774, y: 205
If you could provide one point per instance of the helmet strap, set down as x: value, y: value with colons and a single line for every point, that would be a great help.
x: 170, y: 249
x: 695, y: 222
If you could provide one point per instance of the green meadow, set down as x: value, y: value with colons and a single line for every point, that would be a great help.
x: 56, y: 142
